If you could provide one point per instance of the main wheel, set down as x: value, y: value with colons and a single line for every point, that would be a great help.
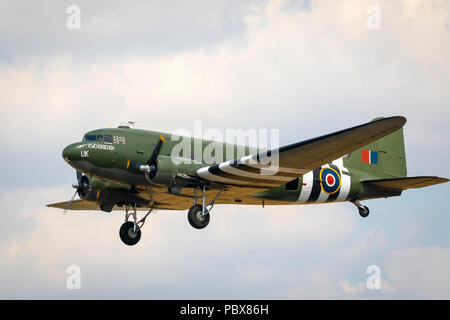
x: 127, y: 234
x: 364, y: 211
x: 195, y: 217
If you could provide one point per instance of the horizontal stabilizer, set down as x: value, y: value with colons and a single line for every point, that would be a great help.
x: 406, y: 183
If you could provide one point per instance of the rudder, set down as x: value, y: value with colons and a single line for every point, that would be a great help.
x: 392, y: 154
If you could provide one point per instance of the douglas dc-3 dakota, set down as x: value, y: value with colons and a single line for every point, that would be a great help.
x: 136, y: 170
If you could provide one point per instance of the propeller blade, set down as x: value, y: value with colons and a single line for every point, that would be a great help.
x: 70, y: 202
x: 152, y: 160
x: 79, y: 175
x: 151, y: 167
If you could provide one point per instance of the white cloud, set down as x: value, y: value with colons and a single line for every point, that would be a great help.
x: 29, y: 30
x: 361, y: 287
x: 421, y: 272
x: 280, y: 72
x: 317, y: 283
x: 37, y: 251
x: 374, y: 238
x: 350, y: 288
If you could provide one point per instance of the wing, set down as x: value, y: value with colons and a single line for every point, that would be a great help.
x: 93, y: 206
x: 77, y: 205
x: 298, y: 158
x: 167, y: 201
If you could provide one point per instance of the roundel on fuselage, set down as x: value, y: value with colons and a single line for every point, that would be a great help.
x: 330, y: 180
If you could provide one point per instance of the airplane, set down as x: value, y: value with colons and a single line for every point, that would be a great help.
x: 130, y: 169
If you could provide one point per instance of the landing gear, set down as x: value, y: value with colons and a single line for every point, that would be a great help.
x: 363, y: 210
x: 198, y: 215
x: 130, y: 231
x: 128, y: 234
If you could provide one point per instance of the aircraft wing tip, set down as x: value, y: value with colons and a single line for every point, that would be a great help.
x: 401, y: 119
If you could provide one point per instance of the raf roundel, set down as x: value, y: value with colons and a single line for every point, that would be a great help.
x: 330, y: 180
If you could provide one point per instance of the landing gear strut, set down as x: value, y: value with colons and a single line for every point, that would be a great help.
x: 198, y: 215
x: 363, y: 210
x: 130, y: 231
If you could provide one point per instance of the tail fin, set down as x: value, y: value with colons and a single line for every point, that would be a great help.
x: 384, y: 158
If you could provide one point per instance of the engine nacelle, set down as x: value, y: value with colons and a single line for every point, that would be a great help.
x: 106, y: 193
x: 90, y: 188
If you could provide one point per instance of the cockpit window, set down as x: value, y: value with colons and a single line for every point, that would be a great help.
x: 100, y: 138
x: 108, y: 139
x: 89, y: 138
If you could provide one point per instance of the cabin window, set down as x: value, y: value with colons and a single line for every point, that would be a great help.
x: 89, y: 138
x: 100, y: 138
x: 108, y: 139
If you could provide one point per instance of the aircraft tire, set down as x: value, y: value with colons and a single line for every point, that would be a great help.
x: 195, y: 218
x: 364, y: 211
x: 127, y: 234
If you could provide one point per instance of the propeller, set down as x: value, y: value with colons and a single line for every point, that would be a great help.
x: 70, y: 202
x: 151, y: 167
x: 81, y: 188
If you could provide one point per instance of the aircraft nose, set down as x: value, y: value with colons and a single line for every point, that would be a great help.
x: 70, y: 153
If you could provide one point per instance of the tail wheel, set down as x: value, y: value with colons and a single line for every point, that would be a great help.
x: 196, y: 218
x: 363, y: 211
x: 128, y: 235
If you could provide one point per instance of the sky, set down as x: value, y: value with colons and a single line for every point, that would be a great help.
x: 304, y: 67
